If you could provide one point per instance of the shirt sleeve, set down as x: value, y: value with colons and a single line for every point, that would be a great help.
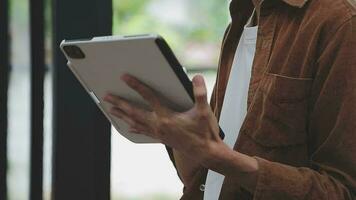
x: 332, y: 126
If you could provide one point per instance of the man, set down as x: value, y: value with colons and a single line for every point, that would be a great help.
x: 298, y: 133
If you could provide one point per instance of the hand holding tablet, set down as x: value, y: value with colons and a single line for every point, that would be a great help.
x: 100, y: 62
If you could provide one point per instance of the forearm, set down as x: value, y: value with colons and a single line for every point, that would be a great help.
x: 234, y: 165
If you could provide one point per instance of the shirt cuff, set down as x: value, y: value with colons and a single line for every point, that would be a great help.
x: 278, y: 181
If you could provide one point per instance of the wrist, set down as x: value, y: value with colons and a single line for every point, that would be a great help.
x: 232, y: 164
x: 217, y: 157
x: 228, y: 162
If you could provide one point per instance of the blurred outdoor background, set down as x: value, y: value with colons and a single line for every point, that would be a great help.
x: 194, y: 30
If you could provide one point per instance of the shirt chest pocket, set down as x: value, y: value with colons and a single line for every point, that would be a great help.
x: 278, y: 113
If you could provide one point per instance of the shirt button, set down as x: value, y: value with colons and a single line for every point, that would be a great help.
x: 202, y: 187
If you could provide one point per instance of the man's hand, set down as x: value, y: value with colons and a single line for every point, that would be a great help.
x: 194, y: 133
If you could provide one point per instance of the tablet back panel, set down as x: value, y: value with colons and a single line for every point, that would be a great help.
x: 107, y: 58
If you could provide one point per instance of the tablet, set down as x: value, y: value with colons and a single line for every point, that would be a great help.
x: 99, y: 62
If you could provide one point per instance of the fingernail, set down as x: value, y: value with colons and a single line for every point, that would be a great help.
x: 198, y: 80
x: 114, y: 112
x: 107, y: 97
x: 125, y: 77
x: 132, y: 130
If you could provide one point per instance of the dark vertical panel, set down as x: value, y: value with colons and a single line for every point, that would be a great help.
x: 4, y: 81
x: 37, y: 82
x: 81, y: 132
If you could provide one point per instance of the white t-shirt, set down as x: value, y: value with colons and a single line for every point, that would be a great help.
x: 235, y: 102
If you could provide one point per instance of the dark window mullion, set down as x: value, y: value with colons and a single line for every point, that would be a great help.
x: 4, y: 82
x: 81, y: 133
x: 37, y: 91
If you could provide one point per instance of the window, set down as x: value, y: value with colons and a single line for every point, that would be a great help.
x: 193, y: 29
x: 19, y: 104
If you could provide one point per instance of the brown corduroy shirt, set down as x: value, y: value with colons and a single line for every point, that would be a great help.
x: 301, y: 119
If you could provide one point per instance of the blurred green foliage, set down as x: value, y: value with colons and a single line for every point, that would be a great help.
x: 205, y: 21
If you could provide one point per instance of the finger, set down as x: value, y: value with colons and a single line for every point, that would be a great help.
x: 200, y: 92
x: 133, y: 130
x: 146, y: 92
x: 127, y: 119
x: 137, y: 131
x: 122, y: 115
x: 132, y: 111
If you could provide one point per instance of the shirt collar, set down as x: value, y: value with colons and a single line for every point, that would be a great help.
x: 295, y: 3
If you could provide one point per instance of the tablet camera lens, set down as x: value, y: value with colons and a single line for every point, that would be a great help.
x: 74, y: 52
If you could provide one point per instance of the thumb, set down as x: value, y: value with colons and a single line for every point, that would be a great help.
x: 200, y: 92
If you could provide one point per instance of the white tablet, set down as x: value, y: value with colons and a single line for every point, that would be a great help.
x: 98, y: 64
